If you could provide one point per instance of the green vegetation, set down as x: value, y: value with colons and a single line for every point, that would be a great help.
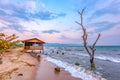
x: 6, y: 42
x: 3, y: 45
x: 17, y: 45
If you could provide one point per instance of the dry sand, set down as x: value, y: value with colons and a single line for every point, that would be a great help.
x: 19, y: 65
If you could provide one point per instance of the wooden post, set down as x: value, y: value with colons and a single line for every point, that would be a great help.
x: 43, y: 48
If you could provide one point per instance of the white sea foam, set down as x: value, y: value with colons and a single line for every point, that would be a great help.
x: 105, y: 57
x: 76, y: 71
x: 112, y: 59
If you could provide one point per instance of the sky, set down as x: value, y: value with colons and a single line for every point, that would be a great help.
x: 53, y: 21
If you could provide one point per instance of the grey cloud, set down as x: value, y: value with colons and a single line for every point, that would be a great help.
x: 51, y: 31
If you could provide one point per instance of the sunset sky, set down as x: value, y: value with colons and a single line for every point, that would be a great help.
x: 54, y: 20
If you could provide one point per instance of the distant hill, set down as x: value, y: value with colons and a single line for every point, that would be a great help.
x: 59, y: 44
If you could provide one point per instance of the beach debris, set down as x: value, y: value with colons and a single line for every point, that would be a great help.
x: 38, y: 57
x: 52, y: 51
x: 77, y: 64
x: 20, y: 74
x: 63, y: 53
x: 57, y: 52
x: 57, y: 69
x: 45, y: 53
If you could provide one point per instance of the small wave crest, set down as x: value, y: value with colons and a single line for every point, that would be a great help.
x: 76, y: 71
x: 112, y: 59
x: 105, y: 57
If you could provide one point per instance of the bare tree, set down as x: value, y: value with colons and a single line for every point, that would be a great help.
x: 90, y: 50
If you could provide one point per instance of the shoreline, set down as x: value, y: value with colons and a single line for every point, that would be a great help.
x: 76, y: 71
x: 46, y: 72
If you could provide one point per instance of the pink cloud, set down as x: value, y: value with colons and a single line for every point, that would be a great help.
x: 31, y: 5
x: 27, y: 5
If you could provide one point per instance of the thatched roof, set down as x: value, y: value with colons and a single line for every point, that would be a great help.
x: 34, y: 40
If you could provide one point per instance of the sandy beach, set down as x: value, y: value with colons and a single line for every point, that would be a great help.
x: 18, y: 65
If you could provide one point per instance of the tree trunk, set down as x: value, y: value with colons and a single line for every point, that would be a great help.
x: 92, y: 49
x: 92, y: 63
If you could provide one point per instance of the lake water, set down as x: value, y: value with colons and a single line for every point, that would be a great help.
x: 107, y: 61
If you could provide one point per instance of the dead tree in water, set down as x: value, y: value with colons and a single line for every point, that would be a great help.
x: 90, y: 50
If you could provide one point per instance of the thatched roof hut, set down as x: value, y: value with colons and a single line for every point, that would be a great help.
x: 33, y: 44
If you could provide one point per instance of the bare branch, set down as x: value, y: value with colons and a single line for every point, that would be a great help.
x: 93, y: 46
x: 96, y: 40
x: 82, y: 10
x: 84, y: 31
x: 78, y: 23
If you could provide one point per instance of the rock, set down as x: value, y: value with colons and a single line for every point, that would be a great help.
x: 45, y: 53
x: 20, y: 74
x: 77, y: 64
x: 57, y: 69
x: 38, y: 58
x: 57, y: 52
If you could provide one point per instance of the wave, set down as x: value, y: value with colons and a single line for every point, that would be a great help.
x: 76, y: 71
x: 106, y: 58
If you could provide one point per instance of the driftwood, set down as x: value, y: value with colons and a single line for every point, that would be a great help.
x: 57, y: 69
x: 90, y: 50
x: 77, y: 64
x: 38, y: 58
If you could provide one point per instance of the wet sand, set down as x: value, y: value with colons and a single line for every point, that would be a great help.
x: 46, y: 72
